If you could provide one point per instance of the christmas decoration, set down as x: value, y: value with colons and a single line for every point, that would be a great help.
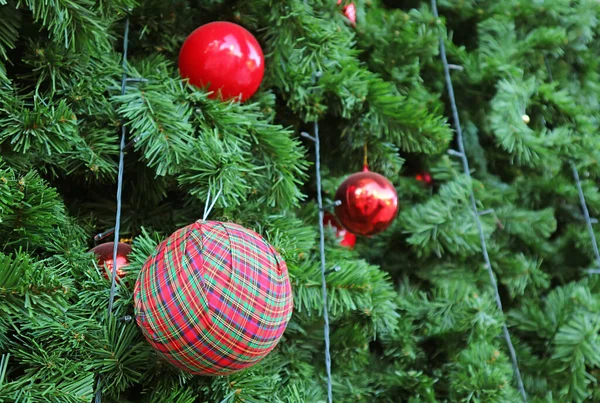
x: 214, y: 298
x: 526, y: 119
x: 349, y: 11
x: 225, y: 57
x: 104, y: 252
x: 369, y: 203
x: 424, y: 177
x: 346, y: 238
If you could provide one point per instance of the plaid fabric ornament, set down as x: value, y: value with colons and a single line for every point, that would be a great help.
x: 214, y: 298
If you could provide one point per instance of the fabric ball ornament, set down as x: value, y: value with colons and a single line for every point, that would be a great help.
x: 225, y: 57
x: 369, y: 203
x: 214, y: 298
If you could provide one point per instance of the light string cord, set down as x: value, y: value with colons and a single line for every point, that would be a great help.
x: 465, y: 163
x: 117, y: 228
x: 322, y: 252
x: 120, y: 174
x: 588, y: 220
x: 317, y: 143
x: 582, y: 201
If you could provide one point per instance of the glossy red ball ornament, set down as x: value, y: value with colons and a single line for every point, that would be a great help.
x: 369, y: 203
x: 424, y: 177
x: 225, y: 57
x: 346, y: 238
x: 104, y: 252
x: 349, y: 11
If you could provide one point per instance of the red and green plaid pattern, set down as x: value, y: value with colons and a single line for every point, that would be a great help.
x: 214, y: 298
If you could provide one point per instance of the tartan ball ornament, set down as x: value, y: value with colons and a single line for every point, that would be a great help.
x: 214, y: 298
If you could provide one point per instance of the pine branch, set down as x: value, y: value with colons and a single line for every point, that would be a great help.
x: 444, y: 223
x: 10, y: 22
x: 30, y: 209
x: 71, y: 23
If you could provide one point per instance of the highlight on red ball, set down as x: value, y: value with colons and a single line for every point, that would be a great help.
x: 224, y: 58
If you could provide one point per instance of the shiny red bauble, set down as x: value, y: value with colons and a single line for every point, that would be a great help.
x: 346, y: 238
x: 104, y: 252
x: 369, y: 203
x: 424, y: 177
x: 349, y: 11
x: 223, y: 57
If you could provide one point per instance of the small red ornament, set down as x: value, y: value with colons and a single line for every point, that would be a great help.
x: 349, y: 11
x: 224, y: 56
x: 425, y: 177
x: 346, y: 238
x: 104, y: 252
x: 369, y: 203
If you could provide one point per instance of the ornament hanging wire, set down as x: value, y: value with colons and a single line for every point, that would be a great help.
x: 208, y: 206
x: 103, y: 235
x: 465, y: 163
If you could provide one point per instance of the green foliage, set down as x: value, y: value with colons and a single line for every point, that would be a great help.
x: 412, y: 316
x: 9, y: 32
x: 30, y: 209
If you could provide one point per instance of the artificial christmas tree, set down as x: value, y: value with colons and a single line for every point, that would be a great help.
x: 411, y: 312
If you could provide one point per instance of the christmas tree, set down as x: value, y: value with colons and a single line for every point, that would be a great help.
x: 498, y: 178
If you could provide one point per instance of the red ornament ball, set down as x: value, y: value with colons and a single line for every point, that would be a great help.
x: 104, y: 252
x: 424, y: 177
x: 369, y: 203
x: 349, y: 11
x: 346, y: 238
x: 214, y: 298
x: 225, y: 57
